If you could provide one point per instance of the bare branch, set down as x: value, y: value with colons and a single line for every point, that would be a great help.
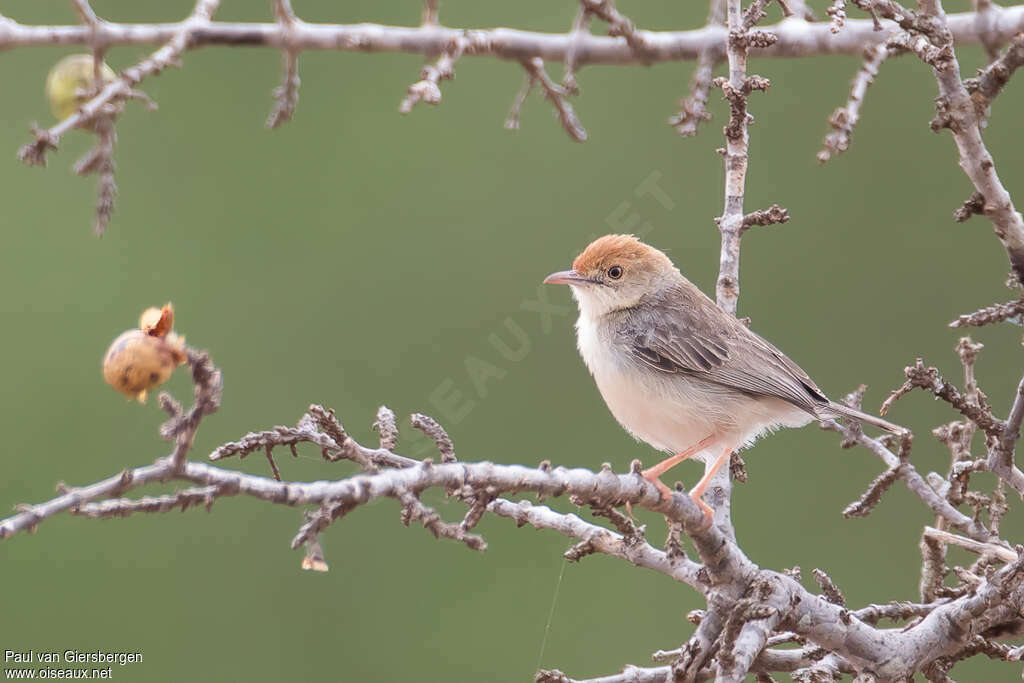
x: 921, y: 377
x: 795, y: 39
x: 387, y: 426
x: 832, y: 593
x: 693, y: 110
x: 427, y: 89
x: 121, y: 88
x: 558, y: 97
x: 286, y: 96
x: 123, y: 507
x: 956, y: 111
x: 973, y: 205
x: 735, y: 88
x: 600, y: 540
x: 844, y: 119
x: 1011, y: 310
x: 618, y: 24
x: 873, y: 495
x: 771, y: 215
x: 1003, y: 553
x: 837, y: 15
x: 913, y: 480
x: 991, y: 80
x: 431, y: 428
x: 99, y: 112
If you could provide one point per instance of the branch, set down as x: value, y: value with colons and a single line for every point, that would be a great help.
x: 991, y: 80
x: 795, y: 38
x: 844, y: 119
x: 101, y: 109
x: 557, y: 95
x: 693, y: 110
x: 736, y: 88
x: 957, y: 112
x: 286, y: 96
x: 1003, y: 553
x: 601, y: 540
x: 909, y: 475
x: 1011, y: 310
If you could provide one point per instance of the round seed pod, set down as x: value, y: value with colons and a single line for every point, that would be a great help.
x: 144, y: 358
x: 72, y: 81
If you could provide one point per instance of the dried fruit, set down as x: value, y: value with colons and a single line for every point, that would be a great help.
x: 144, y: 358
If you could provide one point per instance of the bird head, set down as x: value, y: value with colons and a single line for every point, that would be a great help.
x: 615, y: 272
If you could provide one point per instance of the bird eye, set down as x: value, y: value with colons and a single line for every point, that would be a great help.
x: 615, y: 272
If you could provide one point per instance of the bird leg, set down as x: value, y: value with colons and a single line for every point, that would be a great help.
x: 653, y: 474
x: 698, y: 491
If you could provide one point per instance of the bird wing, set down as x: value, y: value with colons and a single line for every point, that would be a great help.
x: 705, y: 342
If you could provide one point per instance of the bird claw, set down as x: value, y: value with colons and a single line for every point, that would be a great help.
x: 709, y: 514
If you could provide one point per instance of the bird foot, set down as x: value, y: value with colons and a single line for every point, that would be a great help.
x: 709, y: 514
x: 653, y: 477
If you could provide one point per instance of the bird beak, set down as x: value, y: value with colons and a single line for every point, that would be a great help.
x: 565, y: 277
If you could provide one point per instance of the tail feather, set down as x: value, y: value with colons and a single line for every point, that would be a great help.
x: 846, y: 411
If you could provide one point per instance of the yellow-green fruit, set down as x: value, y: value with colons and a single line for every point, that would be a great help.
x: 71, y: 82
x: 137, y: 362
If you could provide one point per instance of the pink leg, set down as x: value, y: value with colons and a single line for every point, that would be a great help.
x: 653, y: 474
x: 702, y: 485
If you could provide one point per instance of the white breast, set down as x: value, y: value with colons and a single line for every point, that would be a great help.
x: 671, y: 412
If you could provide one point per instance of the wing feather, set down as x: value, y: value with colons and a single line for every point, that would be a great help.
x: 703, y: 342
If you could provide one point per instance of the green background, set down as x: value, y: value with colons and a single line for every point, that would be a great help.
x: 356, y: 257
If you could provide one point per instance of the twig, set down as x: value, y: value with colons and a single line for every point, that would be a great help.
x: 512, y: 120
x: 837, y: 15
x: 600, y: 540
x: 873, y: 495
x: 427, y: 89
x: 1011, y: 310
x: 103, y: 107
x: 580, y: 28
x: 558, y: 97
x: 286, y: 95
x: 956, y: 111
x: 387, y: 426
x: 431, y: 428
x: 771, y: 215
x: 913, y: 480
x: 693, y: 110
x: 735, y: 88
x: 832, y: 593
x: 123, y: 507
x: 1003, y: 553
x: 618, y: 24
x: 921, y: 377
x: 795, y: 39
x: 991, y: 80
x: 844, y: 119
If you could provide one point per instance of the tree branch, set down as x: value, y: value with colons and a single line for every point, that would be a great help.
x: 796, y: 38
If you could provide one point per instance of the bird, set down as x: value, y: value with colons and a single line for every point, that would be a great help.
x: 677, y: 371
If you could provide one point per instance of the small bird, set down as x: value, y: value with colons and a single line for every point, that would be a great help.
x: 677, y: 371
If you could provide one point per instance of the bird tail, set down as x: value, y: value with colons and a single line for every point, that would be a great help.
x: 846, y: 411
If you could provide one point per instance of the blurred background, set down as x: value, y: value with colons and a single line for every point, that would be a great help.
x: 356, y: 257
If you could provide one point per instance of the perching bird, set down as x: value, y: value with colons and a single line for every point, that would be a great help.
x: 677, y: 371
